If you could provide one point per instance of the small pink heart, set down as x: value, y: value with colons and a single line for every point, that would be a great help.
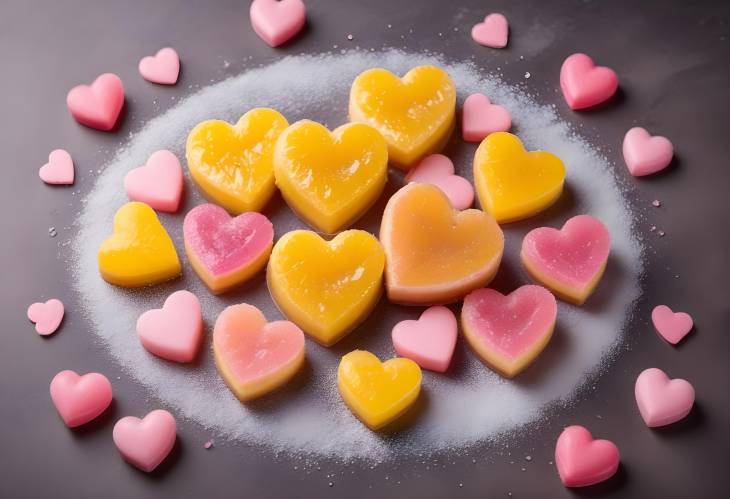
x: 80, y: 399
x: 585, y: 85
x: 492, y: 32
x: 162, y: 68
x: 661, y: 400
x: 46, y: 316
x: 438, y: 170
x: 159, y: 183
x: 480, y: 118
x: 645, y: 154
x: 582, y: 461
x: 276, y: 21
x: 97, y: 105
x: 59, y: 170
x: 175, y: 331
x: 145, y: 443
x: 670, y: 325
x: 428, y: 341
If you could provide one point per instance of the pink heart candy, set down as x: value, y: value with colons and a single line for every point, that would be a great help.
x: 46, y: 316
x: 645, y: 154
x: 276, y: 21
x: 173, y: 332
x: 59, y: 170
x: 428, y: 341
x: 145, y: 443
x: 670, y: 325
x: 438, y: 170
x: 661, y: 400
x: 159, y: 183
x: 97, y: 105
x: 162, y: 68
x: 80, y: 399
x: 582, y: 461
x: 585, y: 85
x: 480, y: 118
x: 492, y: 32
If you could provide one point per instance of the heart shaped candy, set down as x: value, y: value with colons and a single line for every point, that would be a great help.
x: 661, y: 400
x: 276, y: 21
x: 512, y: 183
x: 253, y: 356
x: 226, y: 251
x: 585, y: 85
x: 46, y: 316
x: 480, y: 117
x: 428, y: 341
x: 173, y: 332
x: 145, y: 443
x: 80, y: 399
x: 162, y: 68
x: 492, y: 32
x: 59, y: 170
x: 97, y: 105
x: 159, y: 183
x: 672, y: 326
x: 582, y: 461
x: 646, y: 154
x: 438, y: 170
x: 509, y: 332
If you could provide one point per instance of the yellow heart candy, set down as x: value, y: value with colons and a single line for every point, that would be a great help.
x: 233, y: 164
x: 139, y: 252
x: 512, y: 183
x: 415, y: 113
x: 326, y: 287
x: 378, y: 393
x: 330, y: 179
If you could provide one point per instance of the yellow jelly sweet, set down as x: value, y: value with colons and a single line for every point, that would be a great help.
x: 326, y: 287
x: 233, y: 164
x: 415, y: 113
x: 330, y: 179
x: 378, y: 393
x: 139, y: 252
x: 512, y: 183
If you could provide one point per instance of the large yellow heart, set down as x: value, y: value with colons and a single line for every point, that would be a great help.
x: 330, y: 179
x: 436, y: 254
x: 233, y: 164
x: 378, y: 393
x: 512, y: 183
x: 139, y: 252
x: 415, y: 113
x: 326, y: 287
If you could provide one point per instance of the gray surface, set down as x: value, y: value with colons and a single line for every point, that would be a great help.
x: 672, y: 62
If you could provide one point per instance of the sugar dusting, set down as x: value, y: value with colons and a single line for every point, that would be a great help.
x: 469, y: 404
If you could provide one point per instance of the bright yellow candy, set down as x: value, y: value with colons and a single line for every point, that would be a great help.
x: 415, y: 113
x: 326, y: 287
x: 330, y: 179
x: 233, y: 164
x: 512, y: 183
x: 139, y: 252
x: 378, y: 393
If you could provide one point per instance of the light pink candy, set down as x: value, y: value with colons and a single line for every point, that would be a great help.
x: 59, y: 170
x: 480, y: 118
x: 493, y: 32
x: 438, y: 170
x: 646, y: 154
x: 582, y: 461
x: 428, y: 341
x: 276, y: 21
x: 585, y: 85
x: 145, y: 443
x: 661, y: 400
x: 159, y: 183
x: 97, y: 105
x: 672, y: 326
x: 173, y: 332
x: 80, y: 399
x: 46, y: 316
x: 162, y: 68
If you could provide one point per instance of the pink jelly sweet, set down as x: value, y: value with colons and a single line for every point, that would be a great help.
x: 162, y: 68
x: 80, y: 399
x: 175, y: 331
x: 644, y: 153
x: 493, y: 32
x: 480, y: 117
x: 97, y: 105
x: 59, y: 170
x: 584, y: 84
x: 661, y: 400
x: 438, y: 170
x: 145, y: 443
x: 583, y: 461
x: 428, y: 341
x: 672, y: 326
x: 46, y: 316
x: 276, y: 21
x: 159, y: 183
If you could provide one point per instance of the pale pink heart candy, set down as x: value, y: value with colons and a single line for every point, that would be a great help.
x: 80, y: 399
x: 661, y: 400
x: 159, y: 183
x: 46, y: 316
x: 145, y: 443
x: 438, y: 170
x: 582, y: 461
x: 173, y: 332
x: 428, y: 341
x: 59, y: 170
x: 585, y: 85
x: 492, y: 32
x: 672, y: 326
x: 97, y: 105
x: 646, y: 154
x: 480, y: 117
x: 276, y: 21
x: 162, y: 68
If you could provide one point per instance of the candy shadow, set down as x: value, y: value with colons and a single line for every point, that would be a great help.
x: 102, y: 421
x: 672, y: 167
x: 695, y: 419
x: 168, y: 464
x: 272, y: 402
x: 611, y: 485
